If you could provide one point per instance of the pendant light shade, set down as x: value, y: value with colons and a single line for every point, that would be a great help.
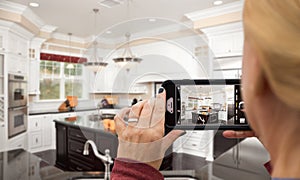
x: 95, y: 63
x: 127, y: 58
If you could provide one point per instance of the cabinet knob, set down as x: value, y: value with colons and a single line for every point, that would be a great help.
x: 36, y: 140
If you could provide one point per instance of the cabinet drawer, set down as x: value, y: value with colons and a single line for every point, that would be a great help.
x: 35, y: 140
x: 35, y: 124
x: 80, y: 135
x: 77, y: 165
x: 194, y: 145
x: 76, y: 149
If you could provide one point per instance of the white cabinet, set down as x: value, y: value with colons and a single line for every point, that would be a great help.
x: 2, y: 136
x: 197, y: 143
x: 41, y: 134
x: 17, y: 142
x: 225, y: 40
x: 16, y: 64
x: 17, y: 45
x: 34, y: 82
x: 229, y: 44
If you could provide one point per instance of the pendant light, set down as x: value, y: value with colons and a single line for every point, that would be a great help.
x: 95, y: 64
x: 127, y: 57
x: 70, y: 65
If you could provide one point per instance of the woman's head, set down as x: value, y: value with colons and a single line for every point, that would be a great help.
x: 271, y: 63
x: 272, y: 29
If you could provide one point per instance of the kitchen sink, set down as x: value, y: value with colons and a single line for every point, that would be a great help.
x: 168, y: 175
x: 166, y: 178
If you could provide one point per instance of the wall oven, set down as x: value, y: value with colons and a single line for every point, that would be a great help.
x: 17, y: 120
x: 17, y: 104
x: 17, y: 90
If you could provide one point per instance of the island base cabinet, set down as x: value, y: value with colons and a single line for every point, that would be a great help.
x: 61, y: 146
x: 70, y: 142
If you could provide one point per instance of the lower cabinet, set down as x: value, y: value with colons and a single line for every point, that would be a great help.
x: 41, y: 134
x: 70, y: 142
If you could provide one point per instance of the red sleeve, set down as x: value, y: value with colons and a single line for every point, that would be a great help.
x: 133, y: 170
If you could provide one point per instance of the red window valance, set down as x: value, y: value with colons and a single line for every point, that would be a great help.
x: 62, y: 58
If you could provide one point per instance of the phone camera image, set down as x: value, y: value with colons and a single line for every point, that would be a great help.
x: 204, y: 104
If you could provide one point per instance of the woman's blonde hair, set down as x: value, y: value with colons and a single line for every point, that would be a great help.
x: 273, y: 29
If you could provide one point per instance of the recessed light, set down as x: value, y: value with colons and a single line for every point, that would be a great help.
x: 34, y: 4
x: 218, y: 2
x: 152, y: 20
x: 108, y: 32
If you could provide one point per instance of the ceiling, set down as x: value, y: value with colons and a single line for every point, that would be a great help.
x: 77, y: 16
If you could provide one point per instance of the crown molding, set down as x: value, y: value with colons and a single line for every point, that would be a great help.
x: 12, y: 7
x: 223, y: 29
x: 216, y: 11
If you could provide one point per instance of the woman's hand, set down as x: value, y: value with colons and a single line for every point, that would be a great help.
x: 140, y: 131
x: 238, y: 134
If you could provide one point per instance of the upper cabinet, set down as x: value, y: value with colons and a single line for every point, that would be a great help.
x: 225, y: 40
x: 17, y: 45
x: 229, y: 44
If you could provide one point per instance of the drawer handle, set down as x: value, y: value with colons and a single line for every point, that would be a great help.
x: 79, y: 169
x: 36, y: 124
x: 194, y: 144
x: 36, y: 140
x: 78, y: 150
x: 77, y: 135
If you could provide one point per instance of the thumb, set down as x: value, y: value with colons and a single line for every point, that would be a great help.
x: 171, y: 137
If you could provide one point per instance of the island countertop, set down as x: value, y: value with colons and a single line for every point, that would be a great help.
x: 89, y: 122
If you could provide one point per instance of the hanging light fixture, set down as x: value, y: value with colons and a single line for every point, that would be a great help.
x: 127, y: 57
x: 70, y: 65
x: 95, y: 64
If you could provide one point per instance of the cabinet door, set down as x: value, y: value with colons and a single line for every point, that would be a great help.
x: 17, y: 45
x: 61, y: 146
x: 34, y: 82
x: 34, y: 123
x: 2, y: 135
x: 35, y: 139
x: 48, y: 126
x: 16, y: 64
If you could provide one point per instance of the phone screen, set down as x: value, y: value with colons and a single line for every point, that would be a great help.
x: 209, y: 104
x: 205, y: 104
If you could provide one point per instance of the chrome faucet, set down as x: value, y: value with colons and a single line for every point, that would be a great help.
x: 106, y: 159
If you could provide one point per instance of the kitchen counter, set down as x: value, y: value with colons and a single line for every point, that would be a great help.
x: 246, y: 164
x: 88, y: 122
x: 55, y: 111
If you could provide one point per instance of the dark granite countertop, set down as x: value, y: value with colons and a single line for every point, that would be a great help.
x: 90, y: 122
x: 55, y: 111
x: 20, y: 164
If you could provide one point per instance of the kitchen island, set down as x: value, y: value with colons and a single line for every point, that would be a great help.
x: 247, y: 165
x: 73, y: 132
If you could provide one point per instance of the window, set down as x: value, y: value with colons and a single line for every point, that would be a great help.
x: 57, y: 81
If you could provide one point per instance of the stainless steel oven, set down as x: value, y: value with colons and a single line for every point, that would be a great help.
x: 17, y: 104
x: 17, y: 120
x: 17, y: 89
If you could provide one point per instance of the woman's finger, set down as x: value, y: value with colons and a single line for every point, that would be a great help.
x: 146, y: 114
x: 238, y: 134
x: 159, y: 109
x: 136, y: 109
x: 119, y: 120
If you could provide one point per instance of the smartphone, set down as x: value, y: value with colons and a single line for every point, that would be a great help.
x: 204, y: 104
